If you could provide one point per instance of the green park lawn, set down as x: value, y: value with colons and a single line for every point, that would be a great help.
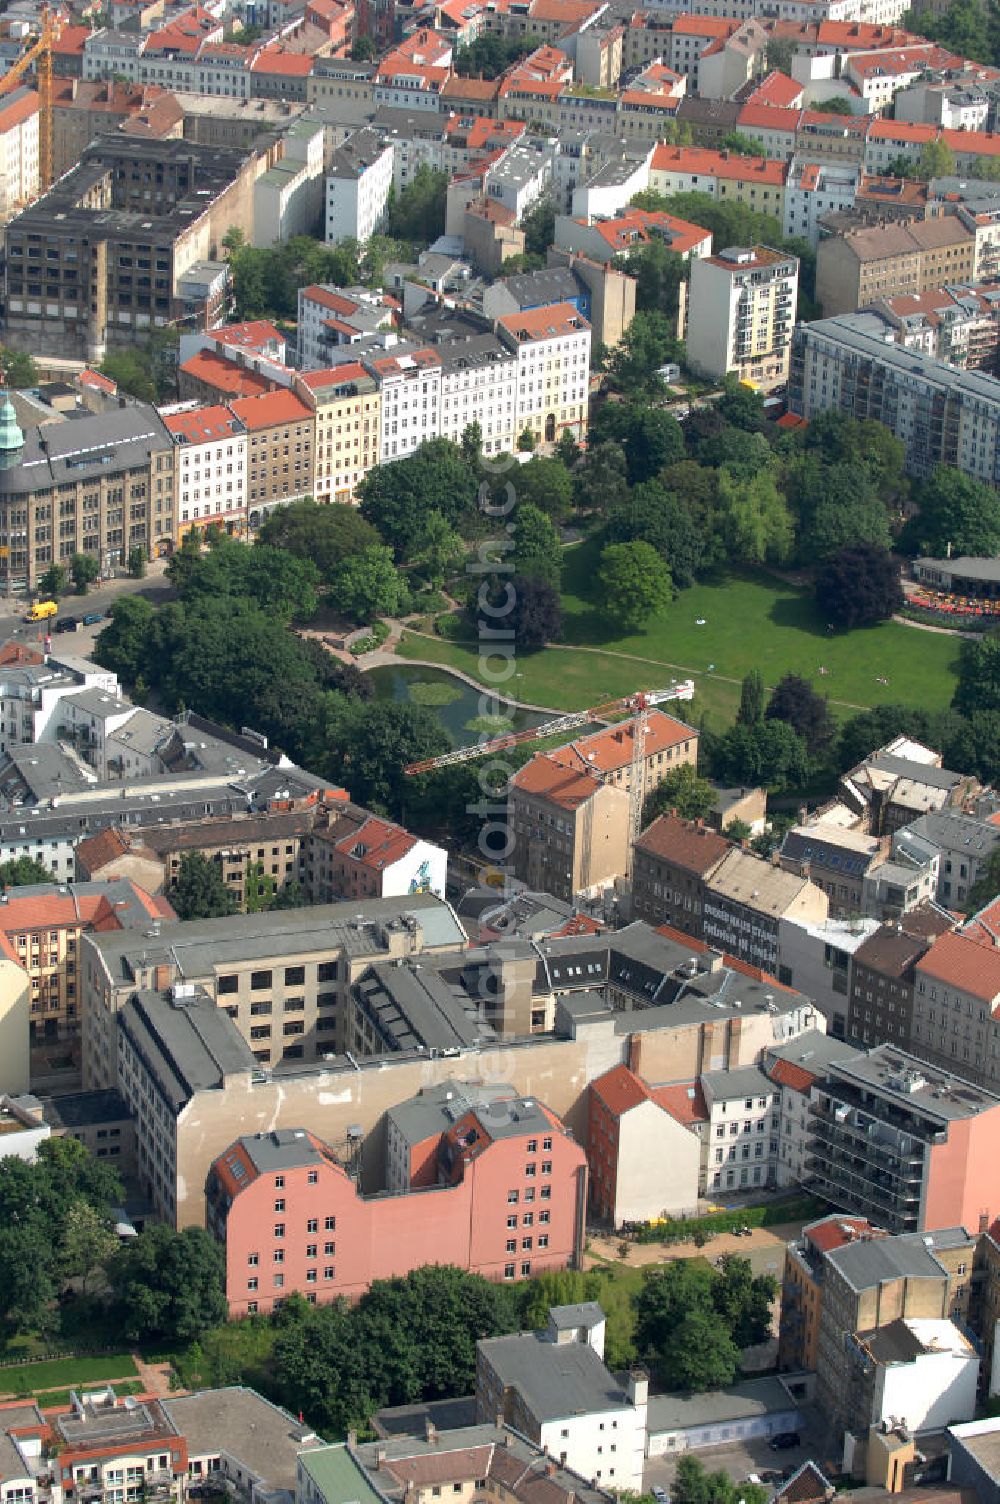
x: 750, y: 621
x: 60, y: 1373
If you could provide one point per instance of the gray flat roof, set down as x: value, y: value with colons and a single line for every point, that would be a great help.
x: 281, y: 1149
x: 189, y: 1046
x: 867, y: 1263
x: 262, y: 1437
x: 553, y: 1380
x: 747, y: 1081
x: 924, y: 1090
x: 752, y: 1397
x: 586, y: 1313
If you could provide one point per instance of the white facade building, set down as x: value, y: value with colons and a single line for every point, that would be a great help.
x: 211, y: 466
x: 358, y: 186
x: 479, y: 385
x: 813, y: 189
x: 553, y: 369
x: 926, y: 1373
x: 410, y: 382
x: 19, y: 182
x: 288, y: 198
x: 745, y: 298
x: 741, y: 1142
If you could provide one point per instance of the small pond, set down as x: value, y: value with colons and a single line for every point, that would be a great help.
x: 455, y: 703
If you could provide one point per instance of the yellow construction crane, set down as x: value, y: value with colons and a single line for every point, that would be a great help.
x: 39, y: 56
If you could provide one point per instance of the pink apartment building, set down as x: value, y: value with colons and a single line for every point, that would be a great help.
x: 502, y: 1192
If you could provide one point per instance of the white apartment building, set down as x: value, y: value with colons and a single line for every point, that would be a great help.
x: 521, y: 176
x: 479, y: 385
x: 553, y: 369
x: 409, y: 379
x: 741, y: 1143
x: 793, y: 1067
x: 18, y: 152
x: 813, y: 189
x: 288, y: 198
x: 745, y: 297
x: 358, y: 186
x: 211, y: 466
x: 330, y: 317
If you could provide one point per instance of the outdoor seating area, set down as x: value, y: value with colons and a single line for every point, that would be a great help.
x: 947, y: 604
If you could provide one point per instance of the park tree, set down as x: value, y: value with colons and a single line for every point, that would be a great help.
x: 770, y: 754
x: 88, y: 1241
x: 757, y: 524
x: 471, y: 443
x: 956, y: 514
x: 168, y: 1284
x: 842, y: 508
x: 635, y: 583
x: 271, y: 579
x: 701, y: 1355
x: 751, y: 698
x: 650, y: 437
x: 875, y: 727
x: 744, y: 1300
x: 200, y: 891
x: 27, y: 1278
x: 83, y: 571
x: 537, y: 550
x: 795, y: 702
x: 536, y: 616
x: 368, y: 746
x: 439, y: 552
x: 859, y: 585
x: 652, y: 514
x: 123, y: 645
x: 658, y: 274
x: 396, y: 498
x: 742, y: 406
x: 648, y: 343
x: 978, y: 687
x: 324, y: 535
x: 546, y: 484
x: 22, y: 871
x: 600, y: 483
x: 682, y: 790
x: 837, y: 439
x: 972, y: 743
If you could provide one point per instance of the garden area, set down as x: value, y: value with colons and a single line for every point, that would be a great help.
x: 715, y: 632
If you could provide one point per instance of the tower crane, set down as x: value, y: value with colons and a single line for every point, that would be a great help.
x: 39, y: 56
x: 636, y: 707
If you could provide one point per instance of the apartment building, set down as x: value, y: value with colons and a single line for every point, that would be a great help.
x: 284, y: 978
x: 588, y: 1421
x: 964, y: 845
x: 847, y: 1285
x: 85, y: 108
x: 958, y: 325
x: 102, y: 227
x: 644, y: 1147
x: 42, y: 925
x: 901, y: 1141
x: 943, y: 415
x: 19, y: 181
x: 741, y: 1133
x: 211, y: 467
x: 552, y: 346
x: 329, y: 318
x: 815, y: 189
x: 956, y: 998
x: 881, y: 1006
x: 292, y: 1217
x: 567, y: 832
x: 409, y: 380
x: 100, y: 484
x: 794, y: 1067
x: 358, y: 187
x: 351, y: 854
x: 601, y: 239
x: 280, y: 433
x: 854, y: 270
x: 757, y: 182
x: 347, y: 403
x: 671, y: 862
x: 479, y: 385
x: 745, y: 900
x: 746, y: 302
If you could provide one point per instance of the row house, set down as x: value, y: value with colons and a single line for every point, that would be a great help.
x: 280, y: 431
x: 756, y: 182
x: 552, y: 346
x: 348, y: 407
x: 211, y: 467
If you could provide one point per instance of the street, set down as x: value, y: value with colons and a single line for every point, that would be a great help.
x: 99, y: 598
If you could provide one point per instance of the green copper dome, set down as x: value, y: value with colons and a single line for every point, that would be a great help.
x: 11, y: 437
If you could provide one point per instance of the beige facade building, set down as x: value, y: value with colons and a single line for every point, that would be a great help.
x: 567, y: 831
x: 746, y: 897
x: 856, y: 269
x: 348, y: 407
x: 15, y: 996
x: 280, y: 431
x: 745, y: 302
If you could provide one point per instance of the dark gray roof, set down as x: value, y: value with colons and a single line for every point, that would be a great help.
x: 553, y: 1380
x: 918, y: 772
x: 810, y: 846
x: 93, y: 445
x: 281, y: 1149
x: 746, y: 1400
x: 414, y: 1007
x: 264, y: 1439
x: 554, y: 284
x: 966, y: 566
x: 867, y: 1263
x: 745, y: 1081
x: 954, y: 831
x: 81, y: 1109
x: 435, y: 1108
x: 189, y: 1045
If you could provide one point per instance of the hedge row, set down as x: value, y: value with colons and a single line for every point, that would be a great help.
x: 698, y: 1230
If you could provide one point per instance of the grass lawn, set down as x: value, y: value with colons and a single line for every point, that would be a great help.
x: 52, y: 1373
x: 751, y: 621
x: 58, y: 1397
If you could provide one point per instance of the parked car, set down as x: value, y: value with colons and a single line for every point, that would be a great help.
x: 785, y: 1440
x: 92, y: 617
x: 66, y: 624
x: 660, y: 1494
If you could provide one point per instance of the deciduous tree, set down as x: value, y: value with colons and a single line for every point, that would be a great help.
x: 635, y: 583
x: 858, y: 586
x: 200, y: 891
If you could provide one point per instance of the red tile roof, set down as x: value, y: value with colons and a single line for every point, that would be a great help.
x: 778, y: 89
x: 902, y: 130
x: 70, y: 40
x: 834, y: 1232
x: 579, y: 924
x: 376, y: 844
x: 97, y: 380
x: 285, y: 64
x: 224, y: 375
x: 18, y: 110
x: 199, y: 425
x: 552, y: 780
x: 684, y: 1100
x: 699, y: 160
x: 544, y: 323
x: 269, y: 409
x: 255, y: 334
x: 620, y: 1090
x: 610, y: 750
x: 789, y: 1073
x: 685, y: 843
x: 966, y: 964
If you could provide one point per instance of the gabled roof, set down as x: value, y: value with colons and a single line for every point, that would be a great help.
x: 548, y: 779
x: 269, y: 409
x: 962, y: 962
x: 610, y: 750
x: 620, y: 1090
x: 226, y: 376
x: 685, y: 843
